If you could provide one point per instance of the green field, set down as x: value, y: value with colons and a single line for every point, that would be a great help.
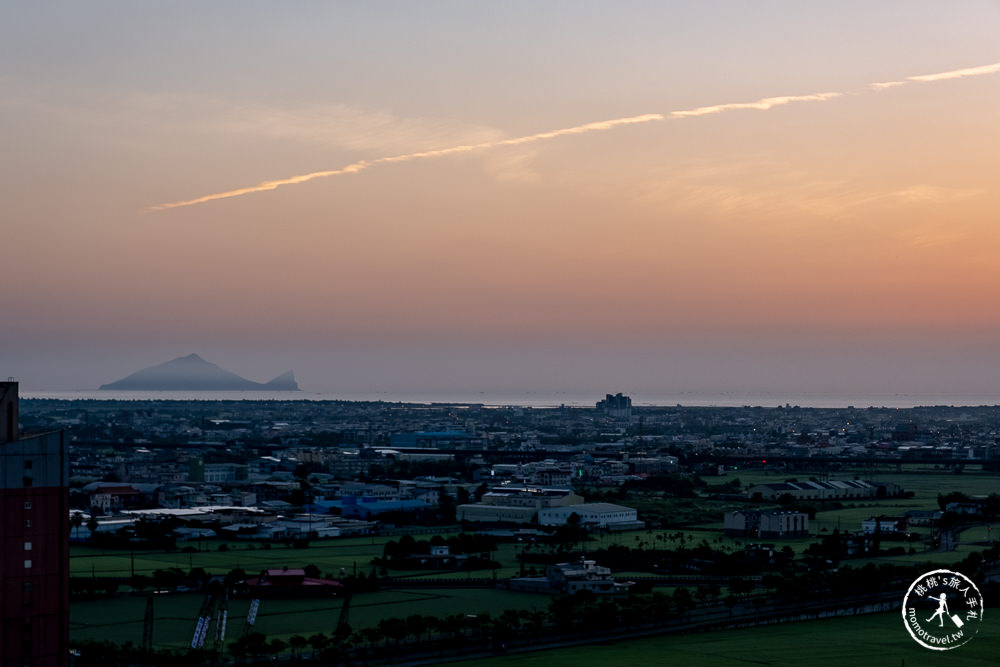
x: 878, y: 639
x: 120, y: 619
x: 328, y: 555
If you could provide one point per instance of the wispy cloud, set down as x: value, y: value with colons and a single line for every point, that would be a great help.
x: 361, y: 165
x: 760, y: 105
x: 598, y: 126
x: 266, y: 185
x: 886, y: 84
x: 932, y: 194
x: 958, y: 73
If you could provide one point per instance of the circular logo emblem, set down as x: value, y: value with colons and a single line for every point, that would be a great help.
x: 942, y: 610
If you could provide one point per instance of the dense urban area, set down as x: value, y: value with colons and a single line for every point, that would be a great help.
x: 349, y: 532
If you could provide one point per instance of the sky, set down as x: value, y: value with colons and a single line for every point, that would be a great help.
x: 646, y: 197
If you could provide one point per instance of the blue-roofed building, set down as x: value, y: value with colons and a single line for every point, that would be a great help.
x: 432, y: 439
x: 365, y: 508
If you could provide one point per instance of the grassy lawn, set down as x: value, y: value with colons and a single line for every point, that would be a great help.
x: 120, y: 619
x: 878, y: 639
x: 328, y: 555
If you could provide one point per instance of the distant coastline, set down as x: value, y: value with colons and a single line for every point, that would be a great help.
x: 539, y: 399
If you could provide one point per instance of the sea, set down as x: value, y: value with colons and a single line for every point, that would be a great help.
x: 541, y: 399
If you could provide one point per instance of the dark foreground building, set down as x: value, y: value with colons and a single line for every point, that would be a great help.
x: 34, y: 534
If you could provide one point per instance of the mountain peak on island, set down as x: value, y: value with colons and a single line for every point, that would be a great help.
x: 284, y: 382
x: 193, y: 373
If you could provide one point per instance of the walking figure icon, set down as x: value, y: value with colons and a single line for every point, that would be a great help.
x: 941, y: 611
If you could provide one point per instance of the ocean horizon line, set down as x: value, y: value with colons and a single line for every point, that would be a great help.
x: 545, y: 399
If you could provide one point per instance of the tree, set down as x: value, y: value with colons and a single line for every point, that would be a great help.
x: 740, y: 587
x: 954, y: 497
x: 318, y: 642
x: 730, y: 602
x: 253, y: 644
x: 416, y: 625
x: 139, y: 582
x: 276, y: 646
x: 234, y: 577
x: 297, y: 643
x: 200, y: 575
x: 371, y: 636
x: 393, y: 628
x: 684, y: 601
x: 446, y: 506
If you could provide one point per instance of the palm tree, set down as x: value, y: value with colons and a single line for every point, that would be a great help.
x: 372, y: 636
x: 318, y: 642
x: 741, y: 587
x: 92, y: 523
x: 416, y: 625
x: 276, y: 646
x: 392, y: 628
x: 730, y: 601
x: 297, y: 643
x: 683, y: 601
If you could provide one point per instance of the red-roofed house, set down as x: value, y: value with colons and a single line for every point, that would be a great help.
x: 110, y: 497
x: 291, y: 582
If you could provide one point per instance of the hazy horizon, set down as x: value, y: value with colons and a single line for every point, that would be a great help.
x: 656, y: 198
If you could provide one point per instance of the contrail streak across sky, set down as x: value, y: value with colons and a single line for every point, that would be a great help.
x: 761, y: 105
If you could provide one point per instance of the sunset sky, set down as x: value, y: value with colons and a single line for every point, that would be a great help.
x: 841, y: 236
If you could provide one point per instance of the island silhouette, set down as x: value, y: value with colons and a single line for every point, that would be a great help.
x: 192, y: 373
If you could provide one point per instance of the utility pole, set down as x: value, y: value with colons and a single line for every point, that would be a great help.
x: 345, y: 610
x: 147, y: 626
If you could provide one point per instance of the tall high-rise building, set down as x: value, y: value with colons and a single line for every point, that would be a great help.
x: 34, y: 542
x: 616, y: 407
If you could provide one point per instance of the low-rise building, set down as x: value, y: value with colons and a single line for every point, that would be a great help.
x: 114, y: 497
x: 884, y: 525
x: 834, y: 490
x: 515, y: 504
x: 290, y: 583
x: 217, y: 473
x: 602, y: 515
x: 923, y: 517
x: 766, y: 523
x: 364, y: 508
x: 568, y: 578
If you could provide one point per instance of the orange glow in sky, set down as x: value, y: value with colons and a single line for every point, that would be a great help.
x: 587, y: 196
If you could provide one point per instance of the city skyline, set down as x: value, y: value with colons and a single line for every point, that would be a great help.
x: 704, y: 197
